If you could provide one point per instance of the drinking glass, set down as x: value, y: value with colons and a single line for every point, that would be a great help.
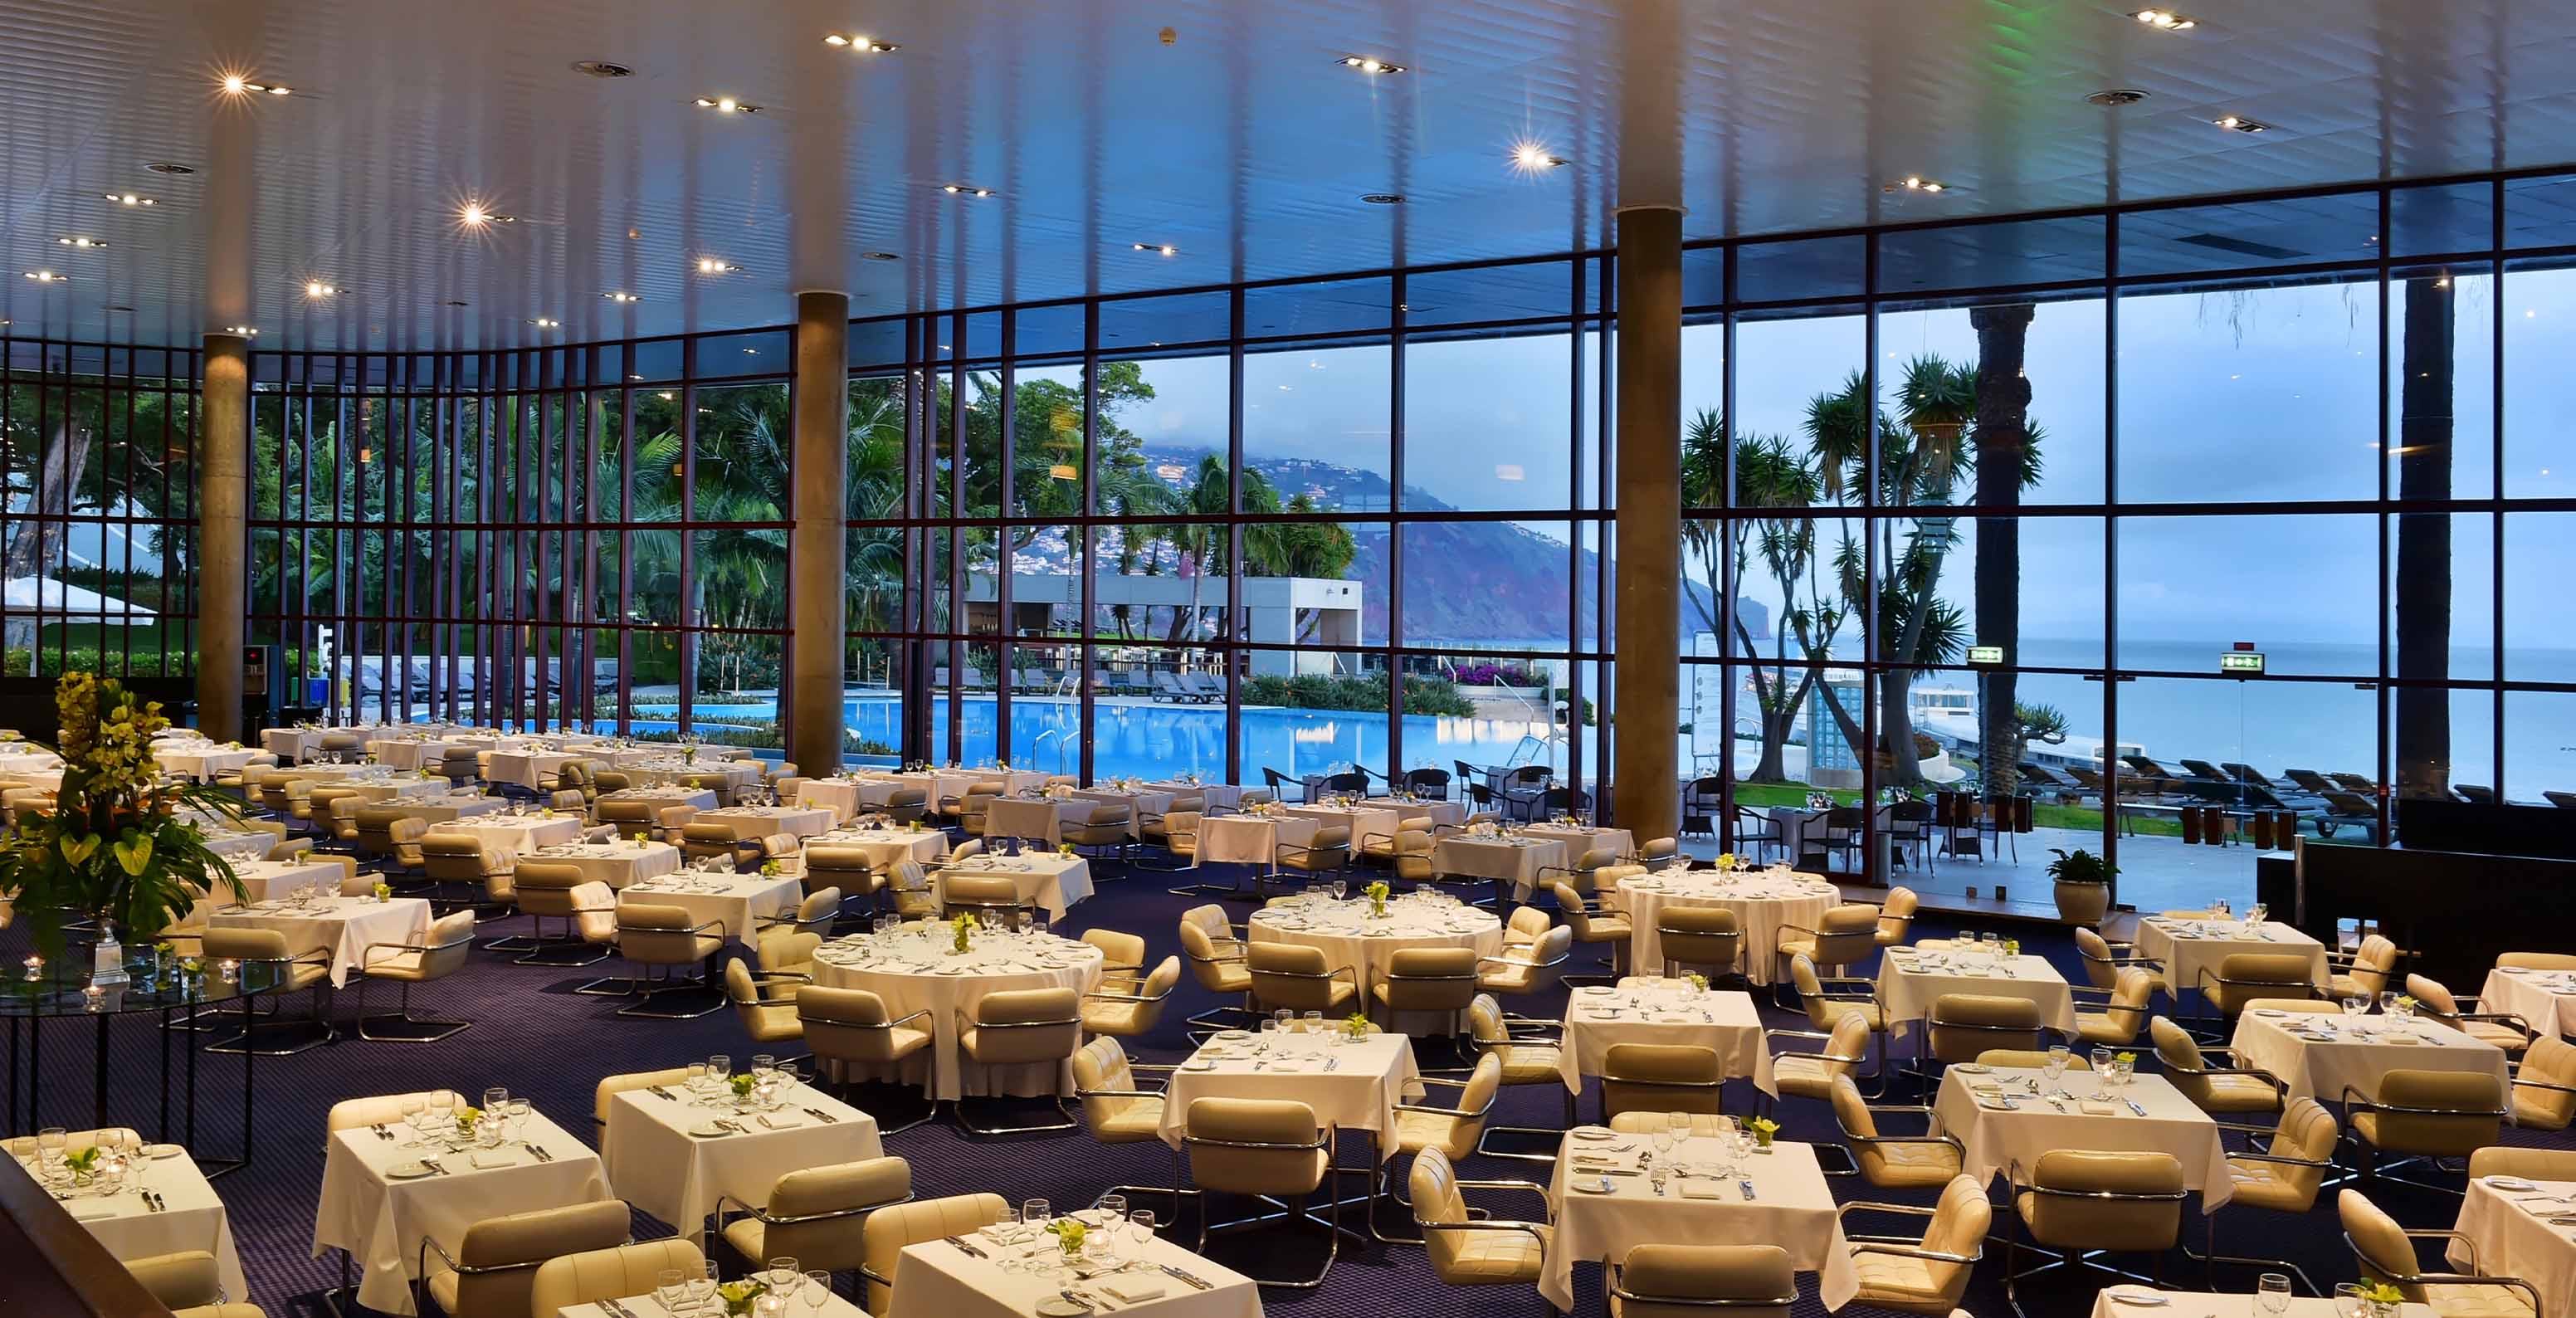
x: 762, y: 1064
x: 1663, y: 1137
x: 1341, y: 889
x: 2272, y: 1293
x: 1269, y: 1031
x: 51, y: 1144
x: 2387, y: 1001
x: 1678, y: 1125
x: 671, y: 1289
x: 817, y: 1291
x: 1140, y: 1229
x: 719, y: 1068
x: 1035, y: 1214
x: 495, y: 1098
x: 784, y: 1275
x: 702, y: 1287
x: 2055, y: 1068
x: 1314, y: 1022
x: 2349, y: 1302
x: 411, y: 1110
x: 2356, y: 1004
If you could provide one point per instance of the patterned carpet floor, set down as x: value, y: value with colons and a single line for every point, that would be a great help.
x: 533, y: 1035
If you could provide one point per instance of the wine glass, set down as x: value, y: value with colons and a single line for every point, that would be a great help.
x: 671, y: 1289
x: 1663, y: 1137
x: 411, y: 1112
x: 783, y: 1275
x: 2356, y: 1004
x: 719, y: 1068
x: 2349, y: 1301
x: 1113, y: 1227
x: 702, y: 1286
x: 2055, y: 1066
x: 1313, y: 1022
x: 495, y: 1098
x: 1341, y: 889
x: 817, y: 1290
x: 2272, y: 1293
x: 1035, y: 1214
x: 2387, y: 1002
x: 1140, y: 1230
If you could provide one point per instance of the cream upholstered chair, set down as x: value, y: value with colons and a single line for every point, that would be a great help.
x: 1896, y: 916
x: 905, y: 804
x: 969, y: 809
x: 1109, y: 827
x: 889, y: 1230
x: 1798, y: 1073
x: 381, y: 836
x: 1661, y: 1077
x: 552, y: 890
x: 1828, y: 1001
x: 493, y: 1270
x: 2424, y: 1114
x: 702, y: 840
x: 1134, y: 1008
x: 1584, y: 874
x: 2244, y: 977
x: 847, y: 868
x: 2387, y: 1255
x: 609, y: 1087
x: 2104, y: 960
x: 1527, y: 970
x: 1454, y: 1131
x: 988, y: 897
x: 852, y: 1027
x: 909, y: 892
x: 190, y: 1283
x: 815, y: 1215
x: 1685, y: 1281
x: 466, y: 859
x: 1928, y: 1274
x: 1844, y: 937
x: 1122, y: 955
x: 289, y: 848
x: 1527, y: 1056
x: 2214, y: 1088
x: 1427, y: 979
x: 2369, y: 970
x: 1215, y: 952
x: 2283, y: 1175
x: 1702, y: 1124
x: 1527, y: 925
x: 2524, y: 1161
x: 1262, y: 1147
x: 1700, y: 937
x: 271, y: 970
x: 630, y: 817
x: 609, y: 1274
x: 1470, y: 1250
x: 766, y: 1015
x: 1327, y: 850
x: 2503, y: 1029
x: 1593, y: 926
x: 814, y: 914
x: 1297, y: 977
x: 670, y: 939
x: 1962, y: 1025
x: 1020, y: 1027
x: 2544, y: 1087
x: 2551, y: 961
x: 787, y: 960
x: 1116, y: 1109
x: 2075, y: 1202
x: 1893, y: 1162
x: 2123, y: 1013
x: 435, y: 957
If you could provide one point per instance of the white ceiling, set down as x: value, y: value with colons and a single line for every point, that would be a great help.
x: 1240, y: 141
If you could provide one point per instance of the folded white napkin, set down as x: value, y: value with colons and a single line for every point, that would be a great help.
x: 1133, y: 1290
x: 2092, y: 1109
x: 1703, y: 1190
x: 495, y: 1158
x: 92, y: 1212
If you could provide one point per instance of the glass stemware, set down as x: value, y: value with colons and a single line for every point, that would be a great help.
x: 2272, y: 1293
x: 817, y: 1290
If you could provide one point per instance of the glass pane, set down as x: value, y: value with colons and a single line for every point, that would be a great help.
x: 1487, y: 585
x: 1943, y: 371
x: 2539, y: 335
x: 2240, y: 395
x: 2178, y: 613
x: 2539, y: 729
x: 2539, y: 636
x: 1312, y: 713
x: 1487, y: 423
x: 1315, y: 430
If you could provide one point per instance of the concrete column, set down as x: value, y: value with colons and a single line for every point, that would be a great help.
x: 1645, y: 780
x: 819, y: 602
x: 223, y: 534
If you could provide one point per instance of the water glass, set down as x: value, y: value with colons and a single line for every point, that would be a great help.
x: 1341, y: 889
x: 412, y: 1108
x: 2349, y: 1302
x: 784, y: 1275
x: 671, y: 1289
x: 2272, y: 1293
x: 719, y: 1069
x: 1140, y: 1229
x: 1314, y: 1022
x: 1035, y: 1214
x: 763, y: 1065
x: 2356, y: 1005
x: 495, y: 1098
x: 817, y: 1290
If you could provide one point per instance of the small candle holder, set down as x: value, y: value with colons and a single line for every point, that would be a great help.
x: 93, y: 998
x: 230, y: 970
x: 35, y: 968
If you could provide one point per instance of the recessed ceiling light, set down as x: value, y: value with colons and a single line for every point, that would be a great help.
x: 1369, y: 64
x: 128, y: 199
x: 1164, y: 249
x: 246, y: 331
x: 236, y: 85
x: 622, y: 296
x: 1530, y: 157
x: 751, y: 352
x: 47, y: 277
x: 2117, y: 96
x: 965, y: 190
x: 725, y: 105
x: 316, y: 288
x: 546, y: 322
x: 76, y: 240
x: 861, y: 45
x: 1918, y: 183
x: 1383, y: 198
x: 708, y: 265
x: 600, y: 68
x: 2165, y: 20
x: 2238, y: 123
x: 170, y: 167
x: 666, y: 395
x: 879, y: 256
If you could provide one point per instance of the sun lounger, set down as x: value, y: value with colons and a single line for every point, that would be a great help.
x: 2246, y: 773
x: 2047, y: 779
x: 2562, y: 800
x: 2149, y: 768
x: 1168, y: 689
x: 2311, y: 781
x: 2355, y: 783
x: 2347, y: 808
x: 2475, y: 795
x: 1204, y: 686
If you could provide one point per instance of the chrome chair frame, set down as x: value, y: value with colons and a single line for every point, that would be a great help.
x: 1534, y: 1230
x: 248, y: 1040
x: 2015, y: 1181
x: 2530, y: 1293
x: 2210, y: 1258
x: 673, y: 982
x: 716, y: 1224
x: 1923, y: 1110
x: 1177, y: 1193
x: 957, y: 1106
x: 436, y: 1029
x: 928, y: 1114
x: 1381, y: 1177
x: 1241, y: 938
x: 1901, y: 1246
x: 2366, y: 1154
x: 1519, y: 1035
x: 1717, y: 1087
x: 1331, y: 973
x: 420, y: 1271
x: 1330, y: 1188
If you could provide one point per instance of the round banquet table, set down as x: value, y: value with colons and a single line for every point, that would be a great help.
x: 1762, y: 903
x: 912, y: 969
x: 1350, y: 936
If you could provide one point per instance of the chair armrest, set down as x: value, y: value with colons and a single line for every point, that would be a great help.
x: 1865, y: 1205
x: 1118, y: 1093
x: 1514, y: 961
x: 1882, y: 1245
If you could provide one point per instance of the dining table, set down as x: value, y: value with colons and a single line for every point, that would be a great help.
x: 2133, y: 1301
x: 1039, y: 819
x: 2191, y: 949
x: 916, y: 968
x: 750, y: 822
x: 738, y: 903
x: 965, y: 1277
x: 1649, y: 1010
x: 1604, y: 1203
x: 617, y: 864
x: 2521, y: 1228
x: 887, y: 847
x: 163, y: 1205
x: 516, y: 833
x: 1251, y: 839
x: 1912, y: 979
x: 1046, y: 880
x: 1515, y: 860
x: 1353, y: 1084
x: 2000, y: 1122
x: 673, y: 1149
x: 2544, y: 998
x: 1366, y: 936
x: 2320, y: 1054
x: 1764, y: 902
x: 345, y: 927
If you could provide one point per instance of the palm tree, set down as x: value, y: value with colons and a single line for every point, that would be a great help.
x: 1767, y: 475
x: 2007, y: 459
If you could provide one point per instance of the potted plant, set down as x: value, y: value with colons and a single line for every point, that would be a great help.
x: 2083, y: 885
x: 120, y: 846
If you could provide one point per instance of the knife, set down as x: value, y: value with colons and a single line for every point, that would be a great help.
x: 1746, y: 1185
x: 1086, y: 1301
x: 969, y: 1249
x: 1186, y: 1277
x: 2134, y: 1106
x: 433, y: 1166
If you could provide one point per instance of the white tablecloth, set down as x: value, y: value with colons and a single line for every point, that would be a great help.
x: 238, y: 847
x: 659, y: 799
x: 401, y: 788
x: 1763, y: 905
x: 658, y: 1166
x: 1994, y: 1139
x: 1051, y: 882
x: 344, y: 926
x: 936, y: 1280
x: 1365, y: 1080
x: 519, y: 834
x: 2546, y: 1000
x: 2513, y: 1240
x: 912, y: 970
x: 2358, y: 1052
x: 838, y: 795
x: 380, y: 1220
x: 875, y: 789
x: 1647, y: 1010
x: 1908, y: 985
x: 949, y: 784
x: 2188, y: 948
x: 888, y: 847
x: 526, y: 768
x: 264, y: 879
x: 201, y: 760
x: 1442, y: 814
x: 1251, y: 839
x: 1216, y: 796
x: 1350, y: 936
x: 2225, y: 1306
x: 1791, y: 1208
x: 1041, y: 820
x: 759, y: 821
x: 290, y: 743
x: 1582, y: 841
x: 617, y: 864
x: 1140, y: 804
x: 194, y: 1217
x: 1365, y: 823
x: 1520, y: 862
x: 739, y: 901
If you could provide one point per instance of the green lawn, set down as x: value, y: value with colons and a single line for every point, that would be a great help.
x: 2083, y: 819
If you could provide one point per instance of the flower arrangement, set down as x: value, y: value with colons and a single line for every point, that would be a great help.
x: 689, y: 753
x: 963, y: 925
x: 119, y: 846
x: 1356, y: 1025
x: 1064, y: 848
x: 1699, y: 983
x: 1068, y: 1233
x: 739, y: 1295
x: 743, y: 1084
x: 1377, y: 894
x: 384, y: 892
x: 1763, y: 1129
x: 2406, y: 1003
x: 82, y: 1162
x: 2125, y: 1059
x: 770, y: 868
x: 2012, y: 947
x: 466, y: 1117
x: 1725, y: 862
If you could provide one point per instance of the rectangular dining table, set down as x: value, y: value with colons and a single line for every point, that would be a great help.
x: 2545, y: 999
x: 519, y: 834
x: 1642, y: 1009
x: 936, y: 1279
x: 1525, y: 863
x: 1910, y: 980
x: 669, y: 1155
x: 1789, y: 1206
x: 1353, y: 1085
x: 2529, y: 1234
x: 1999, y: 1123
x: 189, y: 1215
x: 2316, y: 1054
x: 2191, y: 950
x: 1049, y: 881
x: 740, y: 902
x: 343, y: 926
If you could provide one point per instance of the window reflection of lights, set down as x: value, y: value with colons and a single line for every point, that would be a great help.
x: 129, y: 199
x: 860, y: 45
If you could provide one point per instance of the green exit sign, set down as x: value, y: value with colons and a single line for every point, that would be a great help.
x: 2240, y: 661
x: 1985, y: 654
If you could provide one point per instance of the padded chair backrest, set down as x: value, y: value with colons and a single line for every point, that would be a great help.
x: 2524, y: 1161
x: 1102, y: 1064
x: 1960, y: 1221
x: 837, y: 859
x: 1529, y: 924
x: 451, y: 937
x: 1690, y: 1275
x: 2131, y: 993
x: 453, y: 857
x: 1850, y: 1039
x: 888, y: 1230
x: 2307, y: 1130
x: 1431, y: 979
x: 1896, y: 914
x: 2373, y: 962
x: 1218, y: 1127
x: 2103, y: 1207
x: 1034, y: 1025
x: 244, y: 945
x: 2250, y: 975
x: 24, y: 1146
x: 835, y: 1242
x: 1660, y: 1077
x: 609, y: 1274
x: 2536, y: 961
x: 659, y: 935
x: 1966, y: 1024
x: 980, y: 890
x: 1434, y: 1185
x: 521, y: 1240
x: 2550, y: 1061
x: 2379, y: 1244
x: 1852, y: 1111
x: 846, y: 1024
x: 2098, y: 966
x: 1117, y: 948
x: 1846, y: 934
x: 183, y: 1280
x: 1289, y: 975
x: 1700, y: 935
x: 1485, y: 1020
x: 1202, y: 955
x: 2463, y: 1112
x: 383, y: 1109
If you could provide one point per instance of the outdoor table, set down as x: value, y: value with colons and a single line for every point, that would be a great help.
x: 2316, y: 1055
x: 668, y: 1156
x: 1999, y: 1122
x: 1648, y: 1010
x: 913, y: 969
x: 1764, y: 904
x: 1791, y: 1207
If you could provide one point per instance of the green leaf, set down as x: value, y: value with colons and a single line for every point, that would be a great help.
x: 78, y: 850
x: 135, y: 857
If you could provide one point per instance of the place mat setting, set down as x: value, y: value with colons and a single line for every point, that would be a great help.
x: 933, y: 952
x: 2559, y: 982
x: 1282, y: 1051
x: 1995, y: 1093
x: 2317, y: 1027
x: 2552, y: 1203
x: 1601, y: 1161
x: 1642, y: 1006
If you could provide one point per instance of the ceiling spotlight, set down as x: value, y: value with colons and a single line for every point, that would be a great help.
x: 546, y: 322
x: 1165, y: 249
x: 127, y: 199
x: 47, y: 277
x: 726, y: 105
x: 2240, y: 124
x: 965, y: 190
x: 2117, y: 96
x: 1383, y: 198
x: 234, y: 85
x: 879, y: 256
x: 76, y: 241
x: 1530, y: 157
x: 2165, y: 20
x: 1369, y: 65
x: 474, y: 215
x: 708, y: 265
x: 861, y: 45
x: 751, y: 352
x: 1917, y: 183
x: 316, y: 288
x: 622, y: 296
x: 246, y: 331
